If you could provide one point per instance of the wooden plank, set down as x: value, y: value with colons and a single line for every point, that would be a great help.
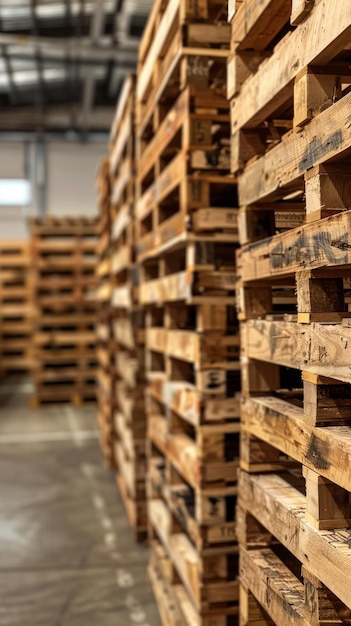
x: 217, y: 34
x: 187, y: 457
x: 167, y: 289
x: 187, y: 401
x: 121, y: 221
x: 281, y: 509
x: 156, y: 339
x: 278, y: 591
x: 326, y: 32
x: 215, y: 218
x: 179, y: 286
x: 125, y: 177
x: 317, y: 348
x: 154, y: 52
x: 188, y: 563
x: 299, y: 10
x: 103, y: 292
x: 122, y: 297
x: 122, y: 259
x: 169, y: 178
x: 125, y: 134
x: 168, y: 128
x: 257, y: 22
x: 125, y: 94
x: 320, y: 244
x: 326, y: 136
x: 211, y: 349
x: 282, y: 425
x: 151, y: 24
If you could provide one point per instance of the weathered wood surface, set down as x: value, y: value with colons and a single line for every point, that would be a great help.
x: 324, y: 243
x: 210, y: 349
x: 327, y: 135
x: 279, y: 423
x: 188, y: 402
x: 163, y: 27
x: 278, y: 591
x: 325, y: 32
x: 321, y: 349
x: 125, y: 101
x: 190, y: 566
x: 257, y: 22
x: 281, y: 509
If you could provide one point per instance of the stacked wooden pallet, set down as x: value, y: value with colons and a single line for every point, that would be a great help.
x: 289, y: 80
x: 128, y: 319
x: 104, y: 336
x: 15, y: 306
x: 64, y: 351
x: 186, y: 233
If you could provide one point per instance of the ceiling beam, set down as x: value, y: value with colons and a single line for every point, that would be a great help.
x: 9, y: 71
x: 82, y: 49
x: 96, y: 31
x: 55, y: 118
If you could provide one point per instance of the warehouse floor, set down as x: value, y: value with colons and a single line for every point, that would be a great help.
x: 67, y: 557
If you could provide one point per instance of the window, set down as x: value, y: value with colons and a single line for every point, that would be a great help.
x: 15, y: 192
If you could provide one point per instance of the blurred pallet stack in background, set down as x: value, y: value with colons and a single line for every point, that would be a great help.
x: 289, y: 83
x: 106, y: 370
x: 186, y: 235
x: 128, y: 317
x: 16, y: 309
x: 64, y: 343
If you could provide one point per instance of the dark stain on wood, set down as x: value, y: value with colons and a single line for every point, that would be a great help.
x: 318, y: 453
x: 308, y: 249
x: 318, y: 150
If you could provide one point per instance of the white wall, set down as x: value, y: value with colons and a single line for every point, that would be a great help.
x: 71, y: 176
x: 70, y: 182
x: 12, y: 219
x: 11, y: 160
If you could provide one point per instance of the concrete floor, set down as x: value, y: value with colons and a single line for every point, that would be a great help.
x: 67, y: 557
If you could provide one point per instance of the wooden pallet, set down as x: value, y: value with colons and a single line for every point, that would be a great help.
x: 289, y: 118
x: 65, y: 226
x: 208, y: 581
x: 183, y: 44
x: 103, y: 188
x: 106, y: 380
x: 16, y: 308
x: 180, y: 172
x: 312, y: 76
x: 187, y: 232
x: 129, y: 416
x: 191, y: 269
x: 63, y: 346
x: 105, y: 345
x: 121, y: 352
x: 277, y: 539
x: 73, y: 394
x: 193, y: 453
x: 122, y: 147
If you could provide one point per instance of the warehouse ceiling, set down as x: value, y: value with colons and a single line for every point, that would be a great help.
x: 62, y: 62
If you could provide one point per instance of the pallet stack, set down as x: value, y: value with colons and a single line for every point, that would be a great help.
x: 186, y: 221
x: 64, y: 345
x: 128, y: 318
x: 15, y: 306
x: 105, y: 351
x: 289, y: 79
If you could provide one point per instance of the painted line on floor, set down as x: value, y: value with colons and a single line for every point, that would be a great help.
x: 136, y: 611
x: 16, y: 388
x: 74, y: 426
x: 124, y: 579
x: 82, y: 435
x: 98, y: 501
